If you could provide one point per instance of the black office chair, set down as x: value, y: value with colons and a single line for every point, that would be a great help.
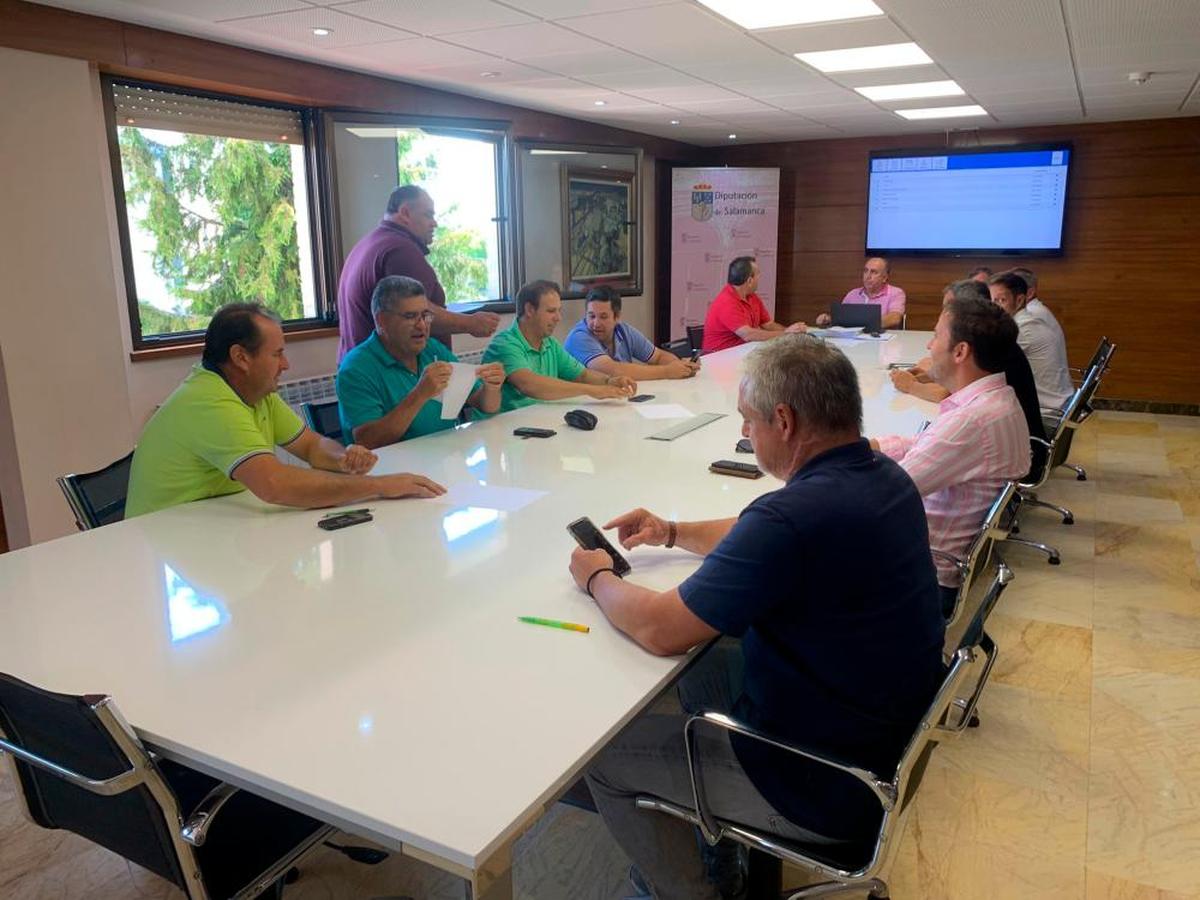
x: 850, y: 866
x: 1099, y: 363
x: 681, y: 348
x: 695, y: 336
x: 98, y: 498
x: 324, y: 418
x: 1077, y: 412
x: 980, y: 559
x: 81, y: 768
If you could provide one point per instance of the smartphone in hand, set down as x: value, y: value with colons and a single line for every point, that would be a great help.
x: 589, y: 537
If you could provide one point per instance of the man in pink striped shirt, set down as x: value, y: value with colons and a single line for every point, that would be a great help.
x: 979, y: 439
x: 878, y: 289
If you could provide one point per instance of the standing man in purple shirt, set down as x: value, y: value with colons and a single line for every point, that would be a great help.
x: 398, y: 246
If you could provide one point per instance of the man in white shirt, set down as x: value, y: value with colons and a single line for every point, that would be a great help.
x: 1041, y: 337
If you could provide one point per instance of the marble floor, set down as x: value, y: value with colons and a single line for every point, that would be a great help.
x: 1083, y: 782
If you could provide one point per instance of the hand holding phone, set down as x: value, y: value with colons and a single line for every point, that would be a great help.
x: 588, y: 536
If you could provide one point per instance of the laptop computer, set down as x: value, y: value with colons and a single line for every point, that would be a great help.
x: 867, y: 315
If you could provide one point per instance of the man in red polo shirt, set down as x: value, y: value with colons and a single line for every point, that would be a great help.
x: 737, y: 315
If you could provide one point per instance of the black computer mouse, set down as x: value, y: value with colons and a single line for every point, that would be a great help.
x: 580, y: 418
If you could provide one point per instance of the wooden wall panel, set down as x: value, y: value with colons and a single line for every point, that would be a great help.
x: 1132, y: 223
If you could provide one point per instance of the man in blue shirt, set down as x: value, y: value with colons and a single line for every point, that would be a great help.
x: 829, y: 584
x: 387, y: 385
x: 601, y: 341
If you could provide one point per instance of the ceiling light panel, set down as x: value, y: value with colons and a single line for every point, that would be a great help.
x: 752, y: 14
x: 943, y: 112
x: 858, y: 59
x: 912, y: 91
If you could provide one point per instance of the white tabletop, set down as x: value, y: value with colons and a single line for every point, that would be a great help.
x: 377, y: 677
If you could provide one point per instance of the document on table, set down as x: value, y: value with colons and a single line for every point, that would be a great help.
x: 462, y: 378
x: 487, y: 496
x: 663, y: 411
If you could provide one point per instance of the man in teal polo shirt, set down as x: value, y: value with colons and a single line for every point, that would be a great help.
x: 387, y: 384
x: 536, y: 366
x: 217, y: 433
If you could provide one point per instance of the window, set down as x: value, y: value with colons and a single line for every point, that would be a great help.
x: 579, y: 216
x: 460, y: 166
x: 213, y: 203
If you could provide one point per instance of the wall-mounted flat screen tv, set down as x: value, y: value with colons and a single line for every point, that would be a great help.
x: 977, y: 201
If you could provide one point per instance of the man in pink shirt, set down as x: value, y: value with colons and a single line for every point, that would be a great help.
x: 979, y: 439
x: 876, y: 289
x: 738, y: 315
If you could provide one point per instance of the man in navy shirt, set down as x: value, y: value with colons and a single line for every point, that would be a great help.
x: 601, y: 341
x: 829, y: 584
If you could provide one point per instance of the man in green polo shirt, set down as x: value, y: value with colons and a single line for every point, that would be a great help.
x: 536, y: 366
x: 217, y: 433
x: 387, y: 384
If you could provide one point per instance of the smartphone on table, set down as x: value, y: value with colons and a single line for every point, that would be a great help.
x: 589, y: 537
x: 529, y: 432
x: 737, y: 469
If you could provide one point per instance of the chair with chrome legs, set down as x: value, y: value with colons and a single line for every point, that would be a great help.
x: 1100, y: 362
x: 80, y: 767
x: 850, y: 867
x: 1057, y: 448
x: 979, y: 560
x: 98, y: 498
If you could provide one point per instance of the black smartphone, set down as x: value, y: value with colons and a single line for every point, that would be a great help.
x: 695, y: 356
x: 744, y: 446
x: 527, y: 432
x: 344, y: 520
x: 641, y: 398
x: 737, y: 469
x: 588, y: 536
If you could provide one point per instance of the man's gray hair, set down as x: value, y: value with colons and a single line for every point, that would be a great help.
x: 391, y: 290
x: 968, y: 289
x: 812, y: 377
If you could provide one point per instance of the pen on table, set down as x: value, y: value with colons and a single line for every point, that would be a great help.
x: 348, y: 512
x: 554, y: 623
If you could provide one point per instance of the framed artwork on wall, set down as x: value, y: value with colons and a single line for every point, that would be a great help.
x: 597, y: 221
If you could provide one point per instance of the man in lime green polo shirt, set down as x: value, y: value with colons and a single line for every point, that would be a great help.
x: 535, y: 364
x: 387, y: 384
x: 217, y: 433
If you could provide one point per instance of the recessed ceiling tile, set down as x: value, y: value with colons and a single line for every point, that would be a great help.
x: 523, y: 41
x: 717, y: 107
x: 417, y: 54
x: 650, y: 76
x: 219, y: 9
x: 297, y: 28
x: 502, y: 73
x: 905, y: 75
x: 834, y: 36
x: 696, y: 92
x: 560, y: 9
x: 677, y: 34
x: 1161, y: 34
x: 431, y: 17
x: 592, y: 64
x: 761, y: 66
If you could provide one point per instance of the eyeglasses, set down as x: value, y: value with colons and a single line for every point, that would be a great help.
x: 411, y: 318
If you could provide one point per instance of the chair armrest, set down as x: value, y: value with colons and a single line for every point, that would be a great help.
x: 195, y: 829
x: 884, y: 791
x: 1044, y: 443
x: 107, y: 787
x: 950, y: 558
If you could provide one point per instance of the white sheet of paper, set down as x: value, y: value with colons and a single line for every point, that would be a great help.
x: 457, y: 391
x: 663, y: 411
x: 487, y: 496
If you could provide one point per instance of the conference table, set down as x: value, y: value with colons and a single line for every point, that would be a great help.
x: 377, y: 677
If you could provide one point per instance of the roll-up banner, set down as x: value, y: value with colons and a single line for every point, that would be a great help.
x: 718, y: 214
